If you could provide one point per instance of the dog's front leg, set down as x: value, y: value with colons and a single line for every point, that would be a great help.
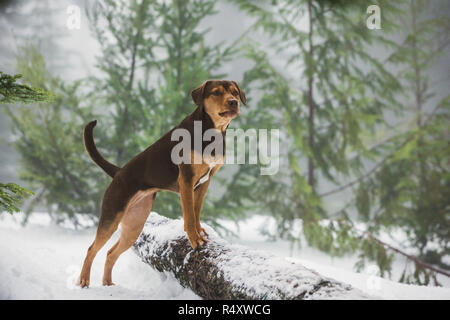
x: 199, y: 197
x: 186, y: 184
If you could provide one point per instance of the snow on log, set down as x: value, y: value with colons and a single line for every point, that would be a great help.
x: 221, y: 270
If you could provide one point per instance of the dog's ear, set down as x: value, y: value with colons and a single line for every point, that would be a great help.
x: 241, y: 94
x: 198, y: 94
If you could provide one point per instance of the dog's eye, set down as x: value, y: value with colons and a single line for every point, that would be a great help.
x: 234, y: 93
x: 216, y: 93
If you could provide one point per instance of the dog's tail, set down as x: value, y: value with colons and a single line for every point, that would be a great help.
x: 91, y: 149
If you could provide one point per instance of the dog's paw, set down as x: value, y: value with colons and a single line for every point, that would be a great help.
x: 83, y: 282
x: 196, y: 240
x: 108, y: 283
x: 202, y: 232
x: 203, y: 237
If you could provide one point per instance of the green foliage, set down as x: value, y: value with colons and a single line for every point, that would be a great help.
x: 48, y: 137
x: 13, y: 92
x: 420, y: 275
x: 11, y: 196
x: 372, y: 251
x: 333, y: 97
x: 329, y: 103
x: 410, y: 190
x: 153, y: 56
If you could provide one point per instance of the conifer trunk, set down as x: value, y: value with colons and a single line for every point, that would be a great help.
x: 422, y: 174
x: 310, y: 103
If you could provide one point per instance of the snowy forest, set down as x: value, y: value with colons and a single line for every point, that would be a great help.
x: 360, y: 94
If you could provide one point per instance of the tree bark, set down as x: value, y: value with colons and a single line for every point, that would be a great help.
x: 221, y: 270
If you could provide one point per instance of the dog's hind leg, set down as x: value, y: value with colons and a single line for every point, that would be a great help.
x: 104, y: 231
x: 112, y: 212
x: 132, y: 224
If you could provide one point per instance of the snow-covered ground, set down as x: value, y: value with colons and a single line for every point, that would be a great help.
x: 43, y: 260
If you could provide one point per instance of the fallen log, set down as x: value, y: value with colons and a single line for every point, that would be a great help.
x: 220, y: 270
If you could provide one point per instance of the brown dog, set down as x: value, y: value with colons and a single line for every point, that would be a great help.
x: 129, y: 198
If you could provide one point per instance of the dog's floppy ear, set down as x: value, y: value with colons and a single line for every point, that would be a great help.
x: 199, y: 93
x: 241, y: 94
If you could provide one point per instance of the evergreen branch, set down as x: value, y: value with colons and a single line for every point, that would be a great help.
x: 382, y: 162
x: 13, y: 92
x: 367, y: 174
x: 60, y: 157
x: 408, y: 256
x: 384, y: 244
x: 11, y: 196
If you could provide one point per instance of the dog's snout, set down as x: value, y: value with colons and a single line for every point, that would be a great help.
x: 233, y: 103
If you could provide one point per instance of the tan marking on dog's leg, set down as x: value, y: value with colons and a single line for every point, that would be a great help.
x: 131, y: 226
x: 187, y: 206
x: 199, y: 197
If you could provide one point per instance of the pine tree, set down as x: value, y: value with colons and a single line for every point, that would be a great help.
x: 332, y: 96
x: 347, y: 94
x: 153, y: 56
x: 411, y: 185
x: 11, y: 92
x: 48, y: 136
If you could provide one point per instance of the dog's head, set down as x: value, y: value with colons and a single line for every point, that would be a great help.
x: 220, y: 99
